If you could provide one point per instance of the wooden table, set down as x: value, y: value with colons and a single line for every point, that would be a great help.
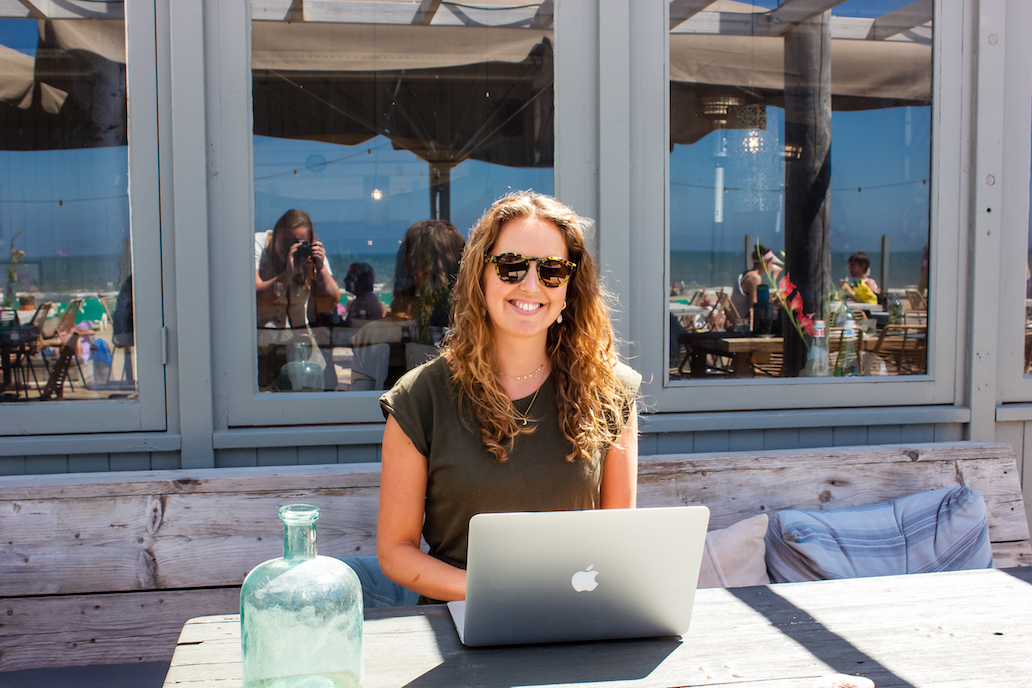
x: 741, y: 349
x: 964, y: 628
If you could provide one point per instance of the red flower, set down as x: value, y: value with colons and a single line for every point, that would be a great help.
x: 785, y: 286
x: 806, y: 322
x: 796, y: 304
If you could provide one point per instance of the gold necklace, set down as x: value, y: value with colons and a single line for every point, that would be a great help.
x: 524, y: 417
x: 524, y: 377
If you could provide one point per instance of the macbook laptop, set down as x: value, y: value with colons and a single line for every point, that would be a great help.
x: 580, y: 575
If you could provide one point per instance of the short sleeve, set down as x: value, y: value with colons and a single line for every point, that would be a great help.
x: 631, y: 381
x: 411, y: 402
x: 259, y: 248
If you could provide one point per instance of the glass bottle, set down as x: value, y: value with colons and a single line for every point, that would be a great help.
x: 301, y: 615
x: 847, y: 364
x: 895, y: 311
x: 817, y: 357
x: 300, y: 374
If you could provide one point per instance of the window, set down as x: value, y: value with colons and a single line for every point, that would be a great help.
x: 70, y: 326
x: 380, y: 137
x: 800, y: 190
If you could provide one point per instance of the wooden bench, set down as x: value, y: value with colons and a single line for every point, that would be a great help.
x: 105, y: 568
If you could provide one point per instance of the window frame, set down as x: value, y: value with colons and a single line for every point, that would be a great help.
x: 148, y: 411
x: 238, y: 404
x: 650, y: 119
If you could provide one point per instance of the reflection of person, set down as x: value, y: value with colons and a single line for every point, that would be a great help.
x: 293, y: 283
x: 743, y: 296
x: 426, y: 268
x: 527, y: 409
x: 860, y: 287
x: 359, y: 281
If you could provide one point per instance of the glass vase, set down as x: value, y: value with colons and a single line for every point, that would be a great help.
x: 300, y: 374
x: 301, y: 615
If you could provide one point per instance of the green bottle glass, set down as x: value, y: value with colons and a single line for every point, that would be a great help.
x: 301, y: 615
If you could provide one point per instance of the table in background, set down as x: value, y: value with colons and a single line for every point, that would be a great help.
x: 740, y: 348
x: 963, y: 628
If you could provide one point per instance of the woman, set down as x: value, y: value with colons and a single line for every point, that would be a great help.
x: 293, y: 282
x: 527, y: 409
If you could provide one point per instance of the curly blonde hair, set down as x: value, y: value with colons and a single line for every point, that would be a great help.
x: 581, y: 348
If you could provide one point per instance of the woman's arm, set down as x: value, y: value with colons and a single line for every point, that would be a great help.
x: 620, y: 472
x: 403, y: 478
x: 325, y: 292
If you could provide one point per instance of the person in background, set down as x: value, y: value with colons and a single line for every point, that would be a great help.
x: 527, y: 409
x: 293, y: 283
x: 426, y: 268
x: 359, y: 281
x: 764, y: 271
x: 860, y: 287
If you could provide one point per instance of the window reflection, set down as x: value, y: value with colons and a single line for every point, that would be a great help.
x: 799, y: 188
x: 382, y: 122
x: 67, y: 322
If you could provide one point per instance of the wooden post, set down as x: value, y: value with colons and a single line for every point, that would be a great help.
x: 883, y: 281
x: 807, y: 171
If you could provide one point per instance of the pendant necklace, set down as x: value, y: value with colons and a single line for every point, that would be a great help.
x: 524, y: 417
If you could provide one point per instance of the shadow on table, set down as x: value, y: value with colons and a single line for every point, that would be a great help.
x: 828, y: 647
x: 545, y: 664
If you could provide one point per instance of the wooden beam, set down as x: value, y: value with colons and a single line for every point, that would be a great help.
x: 683, y: 10
x: 905, y: 18
x: 793, y: 12
x: 425, y: 13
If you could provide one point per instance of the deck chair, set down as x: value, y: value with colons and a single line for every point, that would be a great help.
x: 59, y: 373
x: 697, y: 298
x: 60, y: 335
x: 369, y: 367
x: 33, y: 348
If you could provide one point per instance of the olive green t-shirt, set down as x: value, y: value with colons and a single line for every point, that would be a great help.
x: 465, y: 479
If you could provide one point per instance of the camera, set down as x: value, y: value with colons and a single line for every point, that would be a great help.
x: 303, y: 252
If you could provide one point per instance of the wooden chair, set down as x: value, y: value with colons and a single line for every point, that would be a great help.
x: 917, y: 301
x: 61, y: 334
x: 59, y: 373
x: 904, y: 345
x: 34, y: 347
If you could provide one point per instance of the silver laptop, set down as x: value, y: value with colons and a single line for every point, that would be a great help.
x: 580, y: 575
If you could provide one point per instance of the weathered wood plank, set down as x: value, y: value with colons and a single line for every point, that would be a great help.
x: 79, y: 630
x: 147, y: 542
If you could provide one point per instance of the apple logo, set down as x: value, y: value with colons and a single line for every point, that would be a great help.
x: 584, y: 581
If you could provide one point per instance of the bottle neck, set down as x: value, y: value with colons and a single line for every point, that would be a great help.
x: 299, y: 541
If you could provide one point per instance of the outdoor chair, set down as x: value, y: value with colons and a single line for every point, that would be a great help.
x: 59, y: 372
x: 917, y: 301
x: 60, y: 335
x: 905, y: 346
x: 837, y: 340
x: 34, y: 347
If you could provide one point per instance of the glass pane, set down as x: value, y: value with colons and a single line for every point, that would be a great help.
x: 67, y: 328
x: 392, y: 130
x: 799, y: 188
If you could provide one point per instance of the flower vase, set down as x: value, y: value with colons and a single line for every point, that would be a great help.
x: 301, y: 615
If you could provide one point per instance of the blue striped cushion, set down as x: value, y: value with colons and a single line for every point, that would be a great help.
x: 940, y: 530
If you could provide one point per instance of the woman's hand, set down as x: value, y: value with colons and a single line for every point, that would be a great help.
x: 318, y: 256
x: 403, y: 478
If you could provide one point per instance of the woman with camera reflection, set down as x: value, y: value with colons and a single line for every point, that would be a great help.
x: 293, y: 282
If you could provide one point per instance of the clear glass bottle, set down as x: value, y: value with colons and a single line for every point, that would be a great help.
x: 301, y: 615
x: 895, y: 311
x: 300, y: 374
x: 817, y: 357
x: 848, y: 364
